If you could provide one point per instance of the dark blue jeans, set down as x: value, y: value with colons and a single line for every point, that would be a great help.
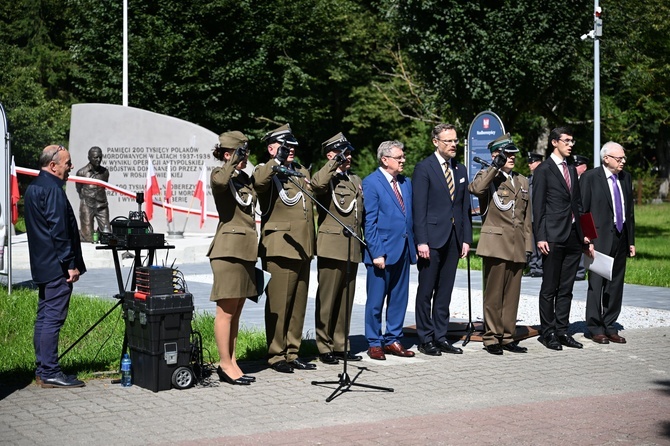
x: 54, y: 300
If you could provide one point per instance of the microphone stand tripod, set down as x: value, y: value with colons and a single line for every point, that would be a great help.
x: 471, y: 327
x: 344, y: 382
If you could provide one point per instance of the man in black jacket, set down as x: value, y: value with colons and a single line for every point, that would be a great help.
x: 607, y: 193
x: 557, y: 206
x: 56, y: 260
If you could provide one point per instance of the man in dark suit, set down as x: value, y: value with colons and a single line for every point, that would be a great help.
x: 443, y: 234
x: 557, y: 206
x: 535, y: 260
x: 607, y: 193
x: 389, y: 252
x: 56, y: 260
x: 581, y: 165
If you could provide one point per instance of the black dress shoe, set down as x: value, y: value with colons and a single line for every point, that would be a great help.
x: 328, y: 358
x: 61, y: 381
x: 298, y: 364
x: 569, y: 341
x: 282, y: 367
x: 494, y: 349
x: 429, y: 348
x: 38, y: 378
x: 514, y: 348
x: 251, y: 379
x: 446, y: 347
x: 350, y: 356
x: 550, y: 341
x: 225, y: 378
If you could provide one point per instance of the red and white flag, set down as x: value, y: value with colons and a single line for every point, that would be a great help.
x: 14, y: 191
x: 200, y: 193
x: 151, y: 188
x: 168, y: 192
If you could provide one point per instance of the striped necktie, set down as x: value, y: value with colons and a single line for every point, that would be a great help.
x: 566, y: 174
x: 394, y: 182
x: 450, y: 180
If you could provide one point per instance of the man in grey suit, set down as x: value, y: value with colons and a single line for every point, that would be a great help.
x: 607, y: 193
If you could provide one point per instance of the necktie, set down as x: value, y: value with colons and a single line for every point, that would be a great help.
x: 450, y: 180
x: 394, y: 182
x: 566, y: 174
x: 618, y: 207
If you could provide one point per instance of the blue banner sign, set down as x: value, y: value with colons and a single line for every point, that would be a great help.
x: 486, y: 127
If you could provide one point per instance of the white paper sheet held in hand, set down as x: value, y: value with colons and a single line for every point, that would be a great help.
x: 602, y: 264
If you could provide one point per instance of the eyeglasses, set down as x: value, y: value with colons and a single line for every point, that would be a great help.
x: 59, y: 149
x: 397, y: 158
x: 618, y: 158
x: 570, y: 142
x: 449, y: 141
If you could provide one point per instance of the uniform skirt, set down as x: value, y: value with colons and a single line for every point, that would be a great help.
x: 232, y: 279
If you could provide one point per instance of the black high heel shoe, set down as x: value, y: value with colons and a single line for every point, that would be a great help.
x: 251, y: 379
x: 229, y: 380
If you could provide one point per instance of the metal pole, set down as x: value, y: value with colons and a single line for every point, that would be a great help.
x: 125, y: 53
x: 597, y: 32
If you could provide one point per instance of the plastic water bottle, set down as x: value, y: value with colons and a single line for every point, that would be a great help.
x: 126, y: 376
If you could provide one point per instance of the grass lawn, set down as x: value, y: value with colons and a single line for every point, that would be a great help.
x: 650, y: 266
x: 99, y: 352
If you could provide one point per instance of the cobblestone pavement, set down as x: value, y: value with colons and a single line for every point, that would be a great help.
x: 602, y: 394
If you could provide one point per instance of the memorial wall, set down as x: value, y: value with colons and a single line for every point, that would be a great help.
x: 128, y: 137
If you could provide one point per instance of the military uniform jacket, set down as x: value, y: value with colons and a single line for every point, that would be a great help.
x: 236, y: 232
x: 505, y: 234
x: 342, y: 195
x: 286, y: 230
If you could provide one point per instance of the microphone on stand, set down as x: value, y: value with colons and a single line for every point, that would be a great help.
x: 288, y: 172
x: 481, y: 161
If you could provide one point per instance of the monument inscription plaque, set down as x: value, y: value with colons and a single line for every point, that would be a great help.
x: 128, y: 138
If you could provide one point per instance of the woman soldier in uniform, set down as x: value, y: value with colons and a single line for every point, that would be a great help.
x: 233, y: 252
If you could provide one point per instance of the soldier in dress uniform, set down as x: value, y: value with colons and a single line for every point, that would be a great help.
x: 286, y: 247
x: 339, y: 191
x: 93, y: 199
x: 506, y: 238
x: 233, y: 252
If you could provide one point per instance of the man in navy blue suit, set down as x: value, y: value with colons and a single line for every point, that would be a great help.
x: 443, y: 234
x: 390, y: 250
x: 56, y: 261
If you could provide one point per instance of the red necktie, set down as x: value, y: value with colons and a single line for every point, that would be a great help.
x: 566, y: 174
x: 394, y: 182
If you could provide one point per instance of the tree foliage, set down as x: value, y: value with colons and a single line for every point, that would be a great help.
x: 373, y: 69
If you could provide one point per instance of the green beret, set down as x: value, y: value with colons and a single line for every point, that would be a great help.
x: 232, y: 140
x: 338, y: 142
